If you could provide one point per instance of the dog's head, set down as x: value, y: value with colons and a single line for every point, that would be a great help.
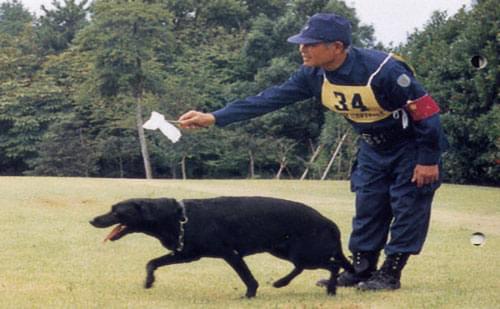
x: 138, y: 215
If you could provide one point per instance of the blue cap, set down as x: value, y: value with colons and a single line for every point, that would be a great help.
x: 324, y: 27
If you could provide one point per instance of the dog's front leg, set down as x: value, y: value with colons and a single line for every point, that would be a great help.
x: 168, y: 259
x: 241, y: 268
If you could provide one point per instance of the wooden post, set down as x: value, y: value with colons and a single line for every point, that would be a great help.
x: 339, y: 145
x: 313, y: 157
x: 283, y: 163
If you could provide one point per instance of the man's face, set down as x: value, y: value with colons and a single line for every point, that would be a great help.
x: 320, y: 54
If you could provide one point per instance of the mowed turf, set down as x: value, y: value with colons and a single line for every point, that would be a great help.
x: 51, y: 257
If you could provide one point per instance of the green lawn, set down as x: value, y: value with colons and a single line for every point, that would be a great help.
x: 51, y: 257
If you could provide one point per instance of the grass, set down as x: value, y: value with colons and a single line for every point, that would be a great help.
x: 52, y: 258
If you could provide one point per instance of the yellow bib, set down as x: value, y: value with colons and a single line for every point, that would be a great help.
x: 356, y: 103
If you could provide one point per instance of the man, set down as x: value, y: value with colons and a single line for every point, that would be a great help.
x: 396, y: 171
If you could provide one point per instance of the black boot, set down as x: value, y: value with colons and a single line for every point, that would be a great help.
x: 364, y: 263
x: 388, y: 276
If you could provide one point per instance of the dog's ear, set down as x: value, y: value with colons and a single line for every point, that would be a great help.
x: 168, y: 208
x: 156, y: 209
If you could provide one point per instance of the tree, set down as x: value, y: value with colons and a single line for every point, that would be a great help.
x: 14, y: 17
x: 29, y: 102
x: 77, y: 114
x: 468, y: 96
x: 57, y: 28
x: 124, y: 40
x: 64, y: 150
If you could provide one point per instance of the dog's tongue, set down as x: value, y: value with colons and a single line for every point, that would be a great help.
x: 114, y: 232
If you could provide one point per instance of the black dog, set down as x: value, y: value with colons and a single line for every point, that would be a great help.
x: 231, y: 228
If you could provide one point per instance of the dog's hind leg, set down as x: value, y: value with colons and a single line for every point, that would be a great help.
x: 241, y: 268
x: 168, y: 259
x: 288, y: 278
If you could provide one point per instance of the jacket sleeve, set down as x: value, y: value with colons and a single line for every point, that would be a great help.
x: 295, y: 89
x: 406, y: 92
x: 428, y: 137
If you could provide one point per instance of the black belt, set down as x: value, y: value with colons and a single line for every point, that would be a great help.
x: 385, y: 139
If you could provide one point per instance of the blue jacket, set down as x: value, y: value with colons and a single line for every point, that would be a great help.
x: 359, y: 65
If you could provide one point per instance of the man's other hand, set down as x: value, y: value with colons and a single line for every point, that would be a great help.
x: 425, y: 174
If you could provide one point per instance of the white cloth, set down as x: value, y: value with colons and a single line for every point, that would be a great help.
x: 157, y: 121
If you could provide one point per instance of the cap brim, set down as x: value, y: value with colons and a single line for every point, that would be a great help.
x: 299, y: 39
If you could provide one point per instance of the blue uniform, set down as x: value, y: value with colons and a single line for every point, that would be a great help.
x: 372, y: 91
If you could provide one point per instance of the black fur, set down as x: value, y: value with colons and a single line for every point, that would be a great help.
x: 231, y: 228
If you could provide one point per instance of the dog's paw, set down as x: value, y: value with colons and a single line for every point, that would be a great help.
x: 281, y: 283
x: 250, y: 294
x: 149, y: 282
x: 331, y: 291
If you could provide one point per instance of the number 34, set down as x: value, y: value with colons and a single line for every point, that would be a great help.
x: 355, y: 103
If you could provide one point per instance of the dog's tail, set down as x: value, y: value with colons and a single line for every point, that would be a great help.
x: 342, y: 261
x: 339, y: 257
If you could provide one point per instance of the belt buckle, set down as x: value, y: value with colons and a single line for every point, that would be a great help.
x: 367, y: 138
x: 374, y: 139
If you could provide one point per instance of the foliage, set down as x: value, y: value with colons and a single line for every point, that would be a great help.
x: 123, y: 40
x: 13, y: 17
x: 29, y: 100
x: 76, y: 158
x: 77, y: 82
x: 58, y: 27
x: 468, y: 96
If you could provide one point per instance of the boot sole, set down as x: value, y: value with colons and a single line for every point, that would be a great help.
x: 362, y: 286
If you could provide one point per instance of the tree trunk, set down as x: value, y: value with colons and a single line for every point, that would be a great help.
x: 142, y: 140
x: 251, y: 165
x: 311, y: 161
x: 282, y: 167
x: 183, y: 168
x: 339, y: 145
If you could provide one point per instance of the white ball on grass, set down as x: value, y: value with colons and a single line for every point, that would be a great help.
x: 477, y: 239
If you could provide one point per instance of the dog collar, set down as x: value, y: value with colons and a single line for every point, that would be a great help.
x: 183, y: 220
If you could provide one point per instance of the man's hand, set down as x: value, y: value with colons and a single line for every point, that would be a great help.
x: 425, y: 174
x: 196, y: 120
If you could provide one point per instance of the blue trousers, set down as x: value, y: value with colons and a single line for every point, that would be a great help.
x: 391, y: 212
